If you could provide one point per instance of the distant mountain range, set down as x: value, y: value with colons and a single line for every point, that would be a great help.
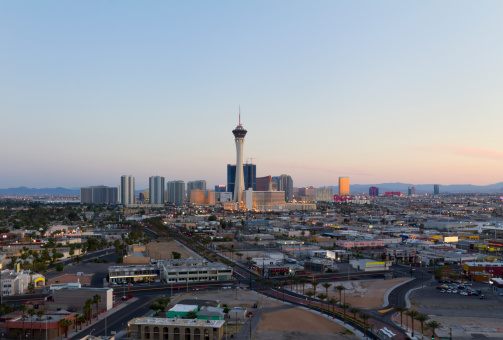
x: 24, y: 191
x: 355, y: 189
x: 425, y: 188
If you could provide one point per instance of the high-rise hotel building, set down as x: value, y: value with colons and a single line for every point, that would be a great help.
x: 176, y: 192
x: 99, y: 194
x: 195, y: 185
x: 127, y: 190
x: 285, y: 183
x: 156, y: 190
x: 343, y: 186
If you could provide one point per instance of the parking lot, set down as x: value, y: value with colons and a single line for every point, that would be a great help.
x: 462, y: 314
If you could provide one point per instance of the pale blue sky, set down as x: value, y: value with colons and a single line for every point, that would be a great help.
x: 380, y: 91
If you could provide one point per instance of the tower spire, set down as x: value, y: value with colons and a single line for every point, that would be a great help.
x: 239, y: 114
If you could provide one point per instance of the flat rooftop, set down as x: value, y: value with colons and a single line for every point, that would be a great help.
x: 177, y: 322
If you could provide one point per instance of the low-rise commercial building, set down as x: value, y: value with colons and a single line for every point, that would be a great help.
x: 167, y: 329
x: 196, y: 273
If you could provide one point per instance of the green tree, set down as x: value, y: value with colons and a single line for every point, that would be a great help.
x: 433, y: 325
x: 401, y: 310
x: 23, y: 310
x: 97, y: 300
x: 412, y: 313
x: 315, y: 283
x: 345, y: 306
x: 40, y: 315
x: 422, y: 318
x: 364, y: 317
x: 65, y: 324
x: 354, y: 311
x: 176, y: 255
x: 322, y: 298
x: 192, y: 315
x: 327, y: 285
x: 310, y: 295
x: 31, y: 287
x: 340, y: 288
x: 31, y: 312
x: 333, y: 302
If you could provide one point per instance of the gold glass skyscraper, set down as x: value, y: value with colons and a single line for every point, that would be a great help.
x: 343, y: 186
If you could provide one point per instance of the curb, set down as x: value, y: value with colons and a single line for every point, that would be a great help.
x: 388, y: 292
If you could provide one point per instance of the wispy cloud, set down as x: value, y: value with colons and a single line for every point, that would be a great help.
x: 467, y: 151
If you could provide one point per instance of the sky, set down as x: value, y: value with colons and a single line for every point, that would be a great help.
x: 379, y: 91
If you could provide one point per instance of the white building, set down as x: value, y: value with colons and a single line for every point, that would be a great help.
x: 156, y: 190
x: 127, y: 190
x: 239, y: 182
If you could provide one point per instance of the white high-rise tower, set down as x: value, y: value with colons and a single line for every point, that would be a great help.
x: 239, y: 137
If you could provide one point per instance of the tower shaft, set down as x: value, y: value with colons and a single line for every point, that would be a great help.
x: 239, y: 185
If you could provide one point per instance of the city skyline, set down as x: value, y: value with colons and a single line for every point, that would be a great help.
x: 380, y: 92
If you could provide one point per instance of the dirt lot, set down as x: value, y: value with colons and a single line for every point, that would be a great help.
x: 163, y: 250
x: 363, y: 293
x: 296, y: 323
x: 280, y: 321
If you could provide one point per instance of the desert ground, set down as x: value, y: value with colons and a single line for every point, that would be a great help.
x: 163, y: 250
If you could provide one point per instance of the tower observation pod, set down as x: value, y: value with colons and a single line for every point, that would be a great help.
x: 239, y: 137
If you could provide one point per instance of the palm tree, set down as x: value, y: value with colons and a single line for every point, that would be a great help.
x: 303, y: 281
x: 340, y: 288
x: 97, y: 300
x: 401, y: 310
x: 82, y: 320
x: 345, y: 306
x: 310, y: 294
x: 31, y: 312
x: 297, y: 280
x: 40, y: 314
x: 315, y: 283
x: 333, y: 302
x: 65, y: 323
x: 88, y: 309
x: 327, y: 285
x: 364, y: 317
x: 412, y: 313
x: 433, y: 325
x: 76, y: 316
x: 267, y: 284
x: 258, y: 280
x: 422, y: 318
x: 354, y: 311
x: 23, y: 309
x: 322, y: 297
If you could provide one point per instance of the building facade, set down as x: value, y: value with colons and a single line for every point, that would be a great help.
x: 436, y: 189
x: 411, y: 191
x: 156, y: 190
x: 239, y: 184
x: 127, y: 190
x: 343, y: 186
x: 324, y: 194
x: 99, y: 194
x: 249, y: 173
x: 264, y: 184
x: 373, y: 191
x: 195, y: 185
x: 176, y: 192
x: 168, y: 329
x: 285, y: 183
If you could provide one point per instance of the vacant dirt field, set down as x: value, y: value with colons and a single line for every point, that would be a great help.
x: 163, y: 250
x: 298, y: 320
x: 362, y: 293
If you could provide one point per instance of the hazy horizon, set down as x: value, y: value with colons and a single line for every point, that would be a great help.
x: 380, y: 92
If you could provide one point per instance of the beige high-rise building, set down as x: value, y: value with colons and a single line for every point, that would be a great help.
x: 196, y: 196
x: 343, y: 186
